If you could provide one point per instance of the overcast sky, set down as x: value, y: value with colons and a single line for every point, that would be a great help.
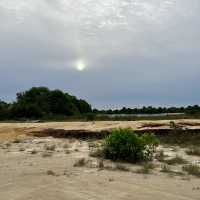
x: 110, y: 52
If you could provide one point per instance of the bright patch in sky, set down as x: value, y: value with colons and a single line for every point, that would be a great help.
x: 80, y: 65
x: 141, y: 48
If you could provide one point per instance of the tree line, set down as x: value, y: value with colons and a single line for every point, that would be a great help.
x: 40, y: 102
x: 43, y: 103
x: 151, y: 110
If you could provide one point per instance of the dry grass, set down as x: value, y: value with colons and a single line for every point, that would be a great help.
x: 189, y: 123
x: 101, y: 164
x: 46, y: 154
x: 146, y: 168
x: 152, y: 125
x: 178, y: 160
x: 165, y: 169
x: 34, y: 151
x: 195, y: 151
x: 192, y: 169
x: 122, y: 167
x: 66, y: 145
x: 160, y: 156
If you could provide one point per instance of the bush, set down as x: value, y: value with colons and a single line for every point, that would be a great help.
x: 125, y: 145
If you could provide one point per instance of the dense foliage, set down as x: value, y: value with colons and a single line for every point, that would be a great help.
x: 40, y: 102
x: 125, y: 145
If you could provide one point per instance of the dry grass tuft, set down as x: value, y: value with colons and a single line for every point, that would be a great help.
x: 80, y: 162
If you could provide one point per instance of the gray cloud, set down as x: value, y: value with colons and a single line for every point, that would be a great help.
x: 137, y: 51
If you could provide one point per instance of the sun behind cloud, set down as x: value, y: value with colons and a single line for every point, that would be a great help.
x: 80, y: 65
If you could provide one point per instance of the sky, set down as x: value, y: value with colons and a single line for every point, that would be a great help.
x: 112, y: 53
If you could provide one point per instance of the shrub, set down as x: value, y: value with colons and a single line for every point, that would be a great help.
x: 125, y: 145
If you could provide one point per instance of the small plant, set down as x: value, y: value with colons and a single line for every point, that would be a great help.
x: 80, y: 162
x: 176, y: 160
x: 192, y: 169
x: 51, y: 173
x: 195, y: 151
x: 125, y: 145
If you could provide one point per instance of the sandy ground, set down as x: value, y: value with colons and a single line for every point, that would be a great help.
x: 43, y: 169
x: 13, y: 130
